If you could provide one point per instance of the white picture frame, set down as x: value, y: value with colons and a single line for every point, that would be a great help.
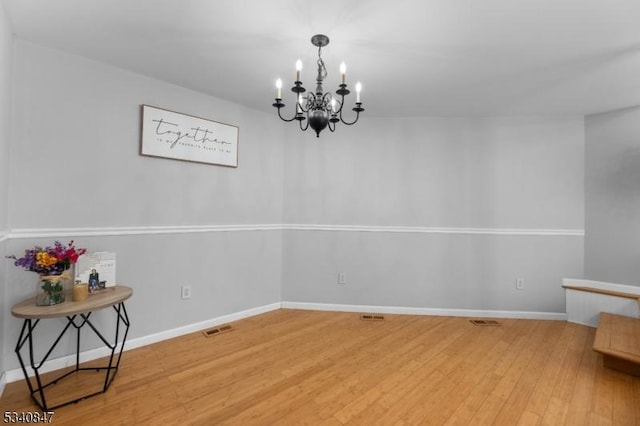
x: 169, y: 134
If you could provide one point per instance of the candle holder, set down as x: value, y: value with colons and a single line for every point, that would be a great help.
x: 80, y: 291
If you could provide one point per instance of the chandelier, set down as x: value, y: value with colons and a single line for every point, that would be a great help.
x: 319, y: 109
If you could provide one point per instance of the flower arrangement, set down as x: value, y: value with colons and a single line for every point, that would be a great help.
x: 51, y: 260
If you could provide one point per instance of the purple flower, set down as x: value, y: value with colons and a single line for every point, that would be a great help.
x: 52, y: 260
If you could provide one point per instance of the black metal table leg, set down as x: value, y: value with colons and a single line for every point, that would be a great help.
x: 27, y: 336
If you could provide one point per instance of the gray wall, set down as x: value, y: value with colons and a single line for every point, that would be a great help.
x: 612, y: 202
x: 6, y: 64
x: 521, y: 172
x: 80, y: 119
x: 75, y: 164
x: 83, y: 117
x: 478, y: 173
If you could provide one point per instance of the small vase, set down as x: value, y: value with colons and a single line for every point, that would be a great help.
x: 50, y: 289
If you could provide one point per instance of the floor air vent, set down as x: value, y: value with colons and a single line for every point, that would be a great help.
x: 484, y: 322
x: 372, y: 317
x: 215, y: 331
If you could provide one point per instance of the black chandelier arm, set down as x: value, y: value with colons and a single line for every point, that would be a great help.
x: 279, y: 105
x: 303, y: 109
x: 342, y: 92
x: 339, y: 105
x: 358, y: 109
x: 303, y: 128
x: 333, y: 129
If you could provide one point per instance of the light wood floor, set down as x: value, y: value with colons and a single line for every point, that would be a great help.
x: 328, y: 368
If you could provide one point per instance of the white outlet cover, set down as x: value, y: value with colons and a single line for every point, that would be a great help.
x: 186, y: 292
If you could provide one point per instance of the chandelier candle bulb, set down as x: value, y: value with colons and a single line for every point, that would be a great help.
x: 343, y: 72
x: 298, y: 69
x: 333, y: 105
x: 279, y: 87
x: 358, y: 90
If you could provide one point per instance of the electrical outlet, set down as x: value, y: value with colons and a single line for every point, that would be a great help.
x: 186, y: 292
x: 519, y: 283
x: 342, y: 278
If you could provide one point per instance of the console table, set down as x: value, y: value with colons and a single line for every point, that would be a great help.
x: 77, y: 315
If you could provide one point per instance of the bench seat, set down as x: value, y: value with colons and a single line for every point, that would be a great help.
x: 618, y: 340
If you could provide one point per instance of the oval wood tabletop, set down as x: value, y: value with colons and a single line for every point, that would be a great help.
x: 108, y: 297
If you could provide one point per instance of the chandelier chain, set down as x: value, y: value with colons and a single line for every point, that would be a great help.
x: 322, y: 69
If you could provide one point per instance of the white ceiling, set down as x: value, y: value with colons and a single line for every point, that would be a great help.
x: 413, y: 57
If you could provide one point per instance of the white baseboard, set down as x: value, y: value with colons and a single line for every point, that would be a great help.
x: 180, y: 331
x: 3, y: 382
x: 557, y: 316
x: 69, y: 360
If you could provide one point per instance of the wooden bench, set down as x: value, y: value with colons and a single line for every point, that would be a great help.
x: 618, y: 340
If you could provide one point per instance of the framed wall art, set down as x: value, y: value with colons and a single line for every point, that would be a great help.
x: 169, y: 134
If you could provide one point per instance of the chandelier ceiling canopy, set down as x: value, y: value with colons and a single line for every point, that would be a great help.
x: 319, y: 109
